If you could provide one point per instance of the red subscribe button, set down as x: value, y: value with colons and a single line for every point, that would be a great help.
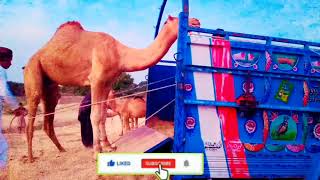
x: 154, y: 163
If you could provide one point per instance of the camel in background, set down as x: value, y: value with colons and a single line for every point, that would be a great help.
x: 77, y: 57
x: 137, y: 109
x: 128, y: 109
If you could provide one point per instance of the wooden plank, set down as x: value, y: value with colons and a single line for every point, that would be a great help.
x: 140, y: 140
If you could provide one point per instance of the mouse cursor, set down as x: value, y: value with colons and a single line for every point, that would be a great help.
x: 162, y: 174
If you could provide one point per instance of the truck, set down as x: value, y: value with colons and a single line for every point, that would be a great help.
x: 249, y: 103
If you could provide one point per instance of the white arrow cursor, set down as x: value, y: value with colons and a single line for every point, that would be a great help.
x: 162, y: 174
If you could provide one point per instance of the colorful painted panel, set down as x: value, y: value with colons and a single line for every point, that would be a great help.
x: 285, y: 62
x: 311, y: 91
x: 243, y: 140
x: 313, y: 139
x: 245, y: 59
x: 283, y: 127
x: 284, y: 91
x: 315, y: 66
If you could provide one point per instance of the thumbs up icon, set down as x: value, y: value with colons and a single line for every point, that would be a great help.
x: 110, y: 163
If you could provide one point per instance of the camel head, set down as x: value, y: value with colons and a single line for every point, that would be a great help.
x: 173, y: 23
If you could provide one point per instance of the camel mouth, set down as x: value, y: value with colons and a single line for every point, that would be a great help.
x: 193, y: 22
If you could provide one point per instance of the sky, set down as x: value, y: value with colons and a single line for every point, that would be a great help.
x: 26, y: 25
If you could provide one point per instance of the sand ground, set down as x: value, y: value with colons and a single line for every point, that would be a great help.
x: 77, y: 162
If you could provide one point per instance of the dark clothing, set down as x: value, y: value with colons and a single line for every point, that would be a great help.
x: 85, y: 122
x: 5, y: 53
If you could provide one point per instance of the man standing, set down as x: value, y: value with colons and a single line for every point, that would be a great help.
x: 85, y: 122
x: 5, y: 96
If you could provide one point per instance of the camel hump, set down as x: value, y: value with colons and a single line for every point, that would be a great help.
x: 74, y: 24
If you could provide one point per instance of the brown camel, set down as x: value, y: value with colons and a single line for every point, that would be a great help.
x: 117, y: 105
x: 137, y: 109
x: 128, y: 109
x: 74, y: 56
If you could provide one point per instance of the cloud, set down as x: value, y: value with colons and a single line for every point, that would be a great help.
x: 24, y: 30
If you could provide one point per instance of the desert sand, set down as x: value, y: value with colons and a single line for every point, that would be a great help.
x: 77, y: 162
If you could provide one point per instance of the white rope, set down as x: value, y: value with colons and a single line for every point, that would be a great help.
x: 160, y: 109
x: 318, y: 53
x: 68, y: 108
x: 57, y: 110
x: 128, y: 90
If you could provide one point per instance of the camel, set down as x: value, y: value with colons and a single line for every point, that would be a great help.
x: 78, y: 57
x: 137, y: 108
x: 128, y: 109
x: 117, y: 105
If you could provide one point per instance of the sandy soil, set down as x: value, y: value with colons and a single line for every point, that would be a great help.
x: 77, y: 162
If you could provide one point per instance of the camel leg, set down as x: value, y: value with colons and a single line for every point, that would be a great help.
x: 99, y: 92
x: 126, y: 125
x: 33, y: 91
x: 122, y: 125
x: 106, y: 146
x: 50, y: 100
x: 136, y: 120
x: 131, y: 124
x: 32, y: 108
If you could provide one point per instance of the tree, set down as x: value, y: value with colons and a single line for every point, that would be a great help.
x: 124, y: 82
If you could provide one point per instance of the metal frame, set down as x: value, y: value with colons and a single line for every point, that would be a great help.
x: 179, y: 116
x: 163, y: 5
x: 182, y: 67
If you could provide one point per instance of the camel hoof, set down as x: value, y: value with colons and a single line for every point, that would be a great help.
x: 95, y: 154
x: 31, y: 159
x: 110, y: 148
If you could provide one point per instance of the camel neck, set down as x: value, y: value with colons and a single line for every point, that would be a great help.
x: 140, y: 59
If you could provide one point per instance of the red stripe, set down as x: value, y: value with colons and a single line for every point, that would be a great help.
x: 224, y: 84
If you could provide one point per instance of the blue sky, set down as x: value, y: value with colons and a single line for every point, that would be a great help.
x: 26, y: 25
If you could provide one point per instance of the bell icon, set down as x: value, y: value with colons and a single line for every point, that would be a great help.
x: 186, y: 163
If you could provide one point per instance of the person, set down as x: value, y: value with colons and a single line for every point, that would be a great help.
x: 21, y: 112
x: 6, y: 96
x: 85, y: 122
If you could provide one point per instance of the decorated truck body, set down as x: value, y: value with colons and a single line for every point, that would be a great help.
x: 250, y: 103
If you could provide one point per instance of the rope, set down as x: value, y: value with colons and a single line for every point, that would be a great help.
x: 315, y: 51
x: 127, y: 90
x: 68, y: 108
x: 158, y: 111
x: 148, y: 118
